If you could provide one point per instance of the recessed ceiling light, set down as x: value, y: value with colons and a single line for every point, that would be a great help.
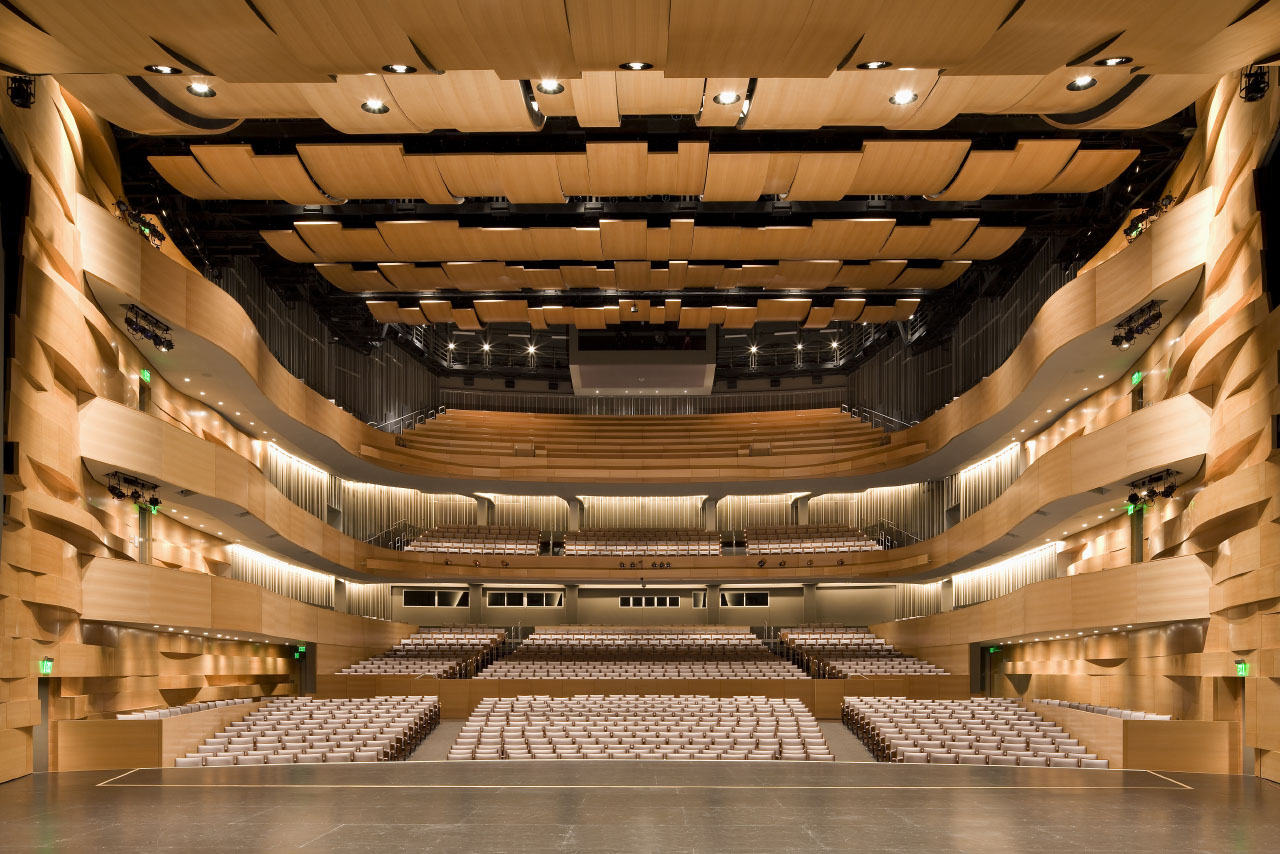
x: 550, y: 86
x: 186, y: 379
x: 162, y: 69
x: 1113, y: 61
x: 902, y: 96
x: 532, y: 349
x: 396, y: 68
x: 799, y: 346
x: 485, y: 346
x: 201, y: 90
x: 202, y: 394
x: 155, y: 627
x: 1084, y: 81
x: 636, y: 66
x: 754, y: 348
x: 875, y: 65
x: 727, y: 98
x: 375, y: 106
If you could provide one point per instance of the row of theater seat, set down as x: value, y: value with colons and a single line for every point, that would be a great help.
x: 962, y: 732
x: 846, y: 652
x: 477, y: 539
x: 307, y: 730
x: 445, y: 653
x: 1111, y: 711
x: 807, y: 539
x: 174, y: 711
x: 633, y: 726
x: 642, y: 543
x: 622, y: 653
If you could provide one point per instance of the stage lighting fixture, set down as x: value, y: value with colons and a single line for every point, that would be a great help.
x: 141, y: 224
x: 116, y: 492
x: 1254, y: 83
x: 22, y: 91
x: 1168, y: 489
x: 147, y: 327
x: 135, y: 496
x: 1134, y: 498
x: 154, y: 501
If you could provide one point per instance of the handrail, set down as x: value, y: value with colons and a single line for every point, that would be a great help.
x: 412, y: 419
x: 886, y: 541
x: 396, y: 537
x: 570, y: 404
x: 887, y: 422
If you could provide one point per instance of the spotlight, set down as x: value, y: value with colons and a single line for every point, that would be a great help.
x: 902, y: 96
x: 726, y: 98
x: 760, y: 563
x: 874, y: 65
x: 116, y: 492
x: 375, y: 106
x: 1168, y: 489
x: 636, y: 66
x: 146, y: 327
x: 1112, y: 61
x: 550, y: 87
x: 162, y: 69
x: 154, y: 501
x: 399, y: 69
x: 135, y: 496
x: 141, y: 224
x: 201, y: 90
x: 1254, y: 84
x: 1084, y: 81
x: 22, y: 91
x: 1134, y: 498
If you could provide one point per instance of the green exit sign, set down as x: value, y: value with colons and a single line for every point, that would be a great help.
x: 144, y: 375
x: 993, y: 649
x: 1136, y: 378
x: 46, y: 666
x: 302, y: 647
x: 1242, y: 668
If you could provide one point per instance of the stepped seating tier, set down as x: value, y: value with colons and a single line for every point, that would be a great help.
x: 808, y: 539
x: 444, y: 653
x: 477, y: 539
x: 977, y: 731
x: 852, y: 651
x: 175, y: 711
x: 632, y: 726
x: 305, y: 730
x: 635, y: 543
x: 1110, y: 711
x: 625, y: 653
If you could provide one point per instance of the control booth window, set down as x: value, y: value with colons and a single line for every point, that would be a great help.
x: 744, y: 599
x: 526, y: 598
x: 416, y: 597
x: 648, y: 601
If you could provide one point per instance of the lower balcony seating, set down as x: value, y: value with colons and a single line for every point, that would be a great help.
x: 807, y: 539
x: 174, y: 711
x: 638, y: 543
x: 1125, y: 714
x: 642, y: 653
x: 633, y: 726
x: 306, y: 730
x: 445, y: 653
x: 978, y: 731
x: 841, y: 653
x: 477, y: 539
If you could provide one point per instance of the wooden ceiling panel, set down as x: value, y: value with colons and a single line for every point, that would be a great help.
x: 290, y: 246
x: 331, y: 241
x: 987, y: 242
x: 564, y: 244
x: 876, y: 314
x: 412, y: 316
x: 695, y: 318
x: 1091, y: 169
x: 384, y: 311
x: 903, y: 309
x: 735, y: 177
x: 353, y: 281
x: 716, y: 242
x: 876, y: 274
x: 557, y: 315
x: 650, y: 93
x: 494, y: 244
x: 807, y: 274
x: 437, y: 310
x: 931, y: 278
x: 580, y: 276
x: 543, y: 278
x: 980, y: 175
x: 617, y: 168
x: 470, y: 175
x: 631, y: 275
x: 780, y: 103
x: 848, y: 238
x: 382, y: 173
x: 930, y: 33
x: 1036, y: 163
x: 847, y: 310
x: 623, y: 238
x: 739, y: 317
x: 606, y: 33
x: 702, y: 275
x: 714, y: 114
x: 824, y: 175
x: 819, y: 317
x: 530, y: 179
x: 419, y: 240
x: 339, y: 103
x: 528, y: 39
x: 502, y: 310
x: 408, y: 277
x: 233, y: 168
x: 589, y: 318
x: 940, y: 239
x: 476, y: 101
x: 902, y: 167
x: 536, y: 319
x: 595, y: 99
x: 284, y: 174
x: 426, y: 181
x: 575, y: 179
x: 465, y: 318
x: 187, y: 176
x: 479, y: 276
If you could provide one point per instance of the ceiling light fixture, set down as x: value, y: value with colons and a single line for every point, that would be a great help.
x: 902, y: 97
x: 375, y: 106
x: 636, y: 66
x: 1112, y: 61
x: 726, y: 98
x: 162, y: 69
x: 874, y: 65
x: 396, y: 68
x: 201, y: 90
x: 550, y: 86
x: 1084, y: 81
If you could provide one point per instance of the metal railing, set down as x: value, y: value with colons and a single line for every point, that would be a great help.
x: 405, y: 422
x: 570, y: 404
x: 878, y: 419
x: 398, y: 536
x: 890, y: 536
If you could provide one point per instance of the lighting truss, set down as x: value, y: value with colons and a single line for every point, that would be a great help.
x: 1144, y: 491
x: 147, y: 327
x: 123, y: 486
x: 1145, y: 318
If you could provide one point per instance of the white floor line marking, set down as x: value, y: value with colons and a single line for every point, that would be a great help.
x: 1163, y: 777
x: 118, y: 776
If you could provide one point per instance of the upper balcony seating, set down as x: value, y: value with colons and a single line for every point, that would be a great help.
x: 807, y: 539
x: 641, y: 653
x: 174, y: 711
x: 725, y: 446
x: 307, y: 730
x: 978, y: 731
x: 441, y: 653
x: 636, y: 543
x: 1111, y: 711
x: 842, y: 653
x: 477, y: 539
x: 632, y: 726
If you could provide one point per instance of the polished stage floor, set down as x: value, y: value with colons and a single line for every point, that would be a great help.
x: 635, y: 806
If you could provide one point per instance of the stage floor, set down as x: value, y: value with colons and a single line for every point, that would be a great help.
x: 636, y: 806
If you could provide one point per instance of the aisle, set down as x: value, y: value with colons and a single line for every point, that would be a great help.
x: 435, y: 747
x: 843, y: 743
